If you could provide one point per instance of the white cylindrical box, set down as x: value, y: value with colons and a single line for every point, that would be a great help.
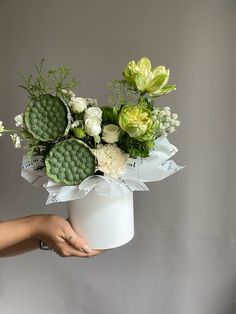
x: 105, y: 222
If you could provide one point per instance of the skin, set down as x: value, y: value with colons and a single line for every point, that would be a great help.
x: 22, y: 235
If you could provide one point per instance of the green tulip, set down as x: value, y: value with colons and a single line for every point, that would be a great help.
x: 148, y: 80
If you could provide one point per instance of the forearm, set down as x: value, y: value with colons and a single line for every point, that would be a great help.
x: 20, y: 248
x: 17, y: 231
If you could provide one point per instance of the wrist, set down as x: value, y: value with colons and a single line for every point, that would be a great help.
x: 37, y: 225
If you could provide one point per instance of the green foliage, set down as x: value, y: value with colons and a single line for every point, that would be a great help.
x: 53, y: 82
x: 134, y: 147
x: 110, y: 115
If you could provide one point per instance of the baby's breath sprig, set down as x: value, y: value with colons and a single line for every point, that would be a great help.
x: 167, y: 121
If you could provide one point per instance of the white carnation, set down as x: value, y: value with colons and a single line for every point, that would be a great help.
x: 111, y: 160
x: 77, y: 104
x: 111, y: 133
x: 93, y: 112
x: 92, y: 126
x: 19, y: 119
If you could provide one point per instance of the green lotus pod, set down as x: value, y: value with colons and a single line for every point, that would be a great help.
x: 70, y: 162
x: 46, y: 118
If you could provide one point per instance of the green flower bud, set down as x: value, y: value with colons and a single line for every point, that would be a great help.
x: 78, y: 132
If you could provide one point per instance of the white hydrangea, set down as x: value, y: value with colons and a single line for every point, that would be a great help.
x: 111, y: 160
x: 19, y: 120
x: 16, y: 140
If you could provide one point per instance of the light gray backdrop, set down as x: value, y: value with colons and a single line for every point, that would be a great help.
x: 183, y: 257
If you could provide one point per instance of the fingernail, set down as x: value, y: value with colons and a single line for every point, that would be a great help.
x: 87, y: 249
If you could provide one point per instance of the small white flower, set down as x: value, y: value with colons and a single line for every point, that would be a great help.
x: 77, y: 104
x: 91, y: 102
x: 161, y: 114
x: 175, y: 116
x: 168, y: 119
x: 111, y: 133
x: 177, y: 123
x: 167, y: 109
x: 171, y: 129
x: 162, y: 127
x: 75, y: 124
x: 93, y: 112
x: 111, y: 160
x: 16, y: 140
x: 19, y: 120
x: 167, y: 125
x: 173, y: 122
x: 68, y: 93
x: 92, y: 126
x: 1, y: 128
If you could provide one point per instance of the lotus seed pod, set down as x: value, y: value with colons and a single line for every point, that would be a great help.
x: 46, y: 118
x: 70, y: 162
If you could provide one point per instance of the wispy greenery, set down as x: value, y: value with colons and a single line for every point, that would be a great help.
x: 122, y: 93
x: 51, y: 82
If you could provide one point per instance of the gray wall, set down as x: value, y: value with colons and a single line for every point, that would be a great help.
x: 183, y: 257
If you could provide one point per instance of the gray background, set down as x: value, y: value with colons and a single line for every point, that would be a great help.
x: 183, y: 257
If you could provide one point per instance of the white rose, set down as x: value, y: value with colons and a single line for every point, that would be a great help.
x: 111, y: 133
x: 93, y: 112
x: 77, y: 104
x: 92, y: 126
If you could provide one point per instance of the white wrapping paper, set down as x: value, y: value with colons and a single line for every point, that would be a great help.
x: 156, y: 167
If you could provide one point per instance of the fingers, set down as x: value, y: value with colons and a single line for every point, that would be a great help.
x: 65, y: 250
x: 78, y: 243
x: 60, y: 236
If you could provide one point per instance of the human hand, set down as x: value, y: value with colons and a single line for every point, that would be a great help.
x: 58, y: 234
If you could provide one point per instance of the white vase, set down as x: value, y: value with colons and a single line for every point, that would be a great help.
x: 105, y: 222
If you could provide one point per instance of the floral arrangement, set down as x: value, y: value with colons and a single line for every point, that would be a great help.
x: 76, y: 139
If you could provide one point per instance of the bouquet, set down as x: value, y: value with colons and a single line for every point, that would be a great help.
x: 76, y: 147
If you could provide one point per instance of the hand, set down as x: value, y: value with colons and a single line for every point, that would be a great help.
x: 58, y: 234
